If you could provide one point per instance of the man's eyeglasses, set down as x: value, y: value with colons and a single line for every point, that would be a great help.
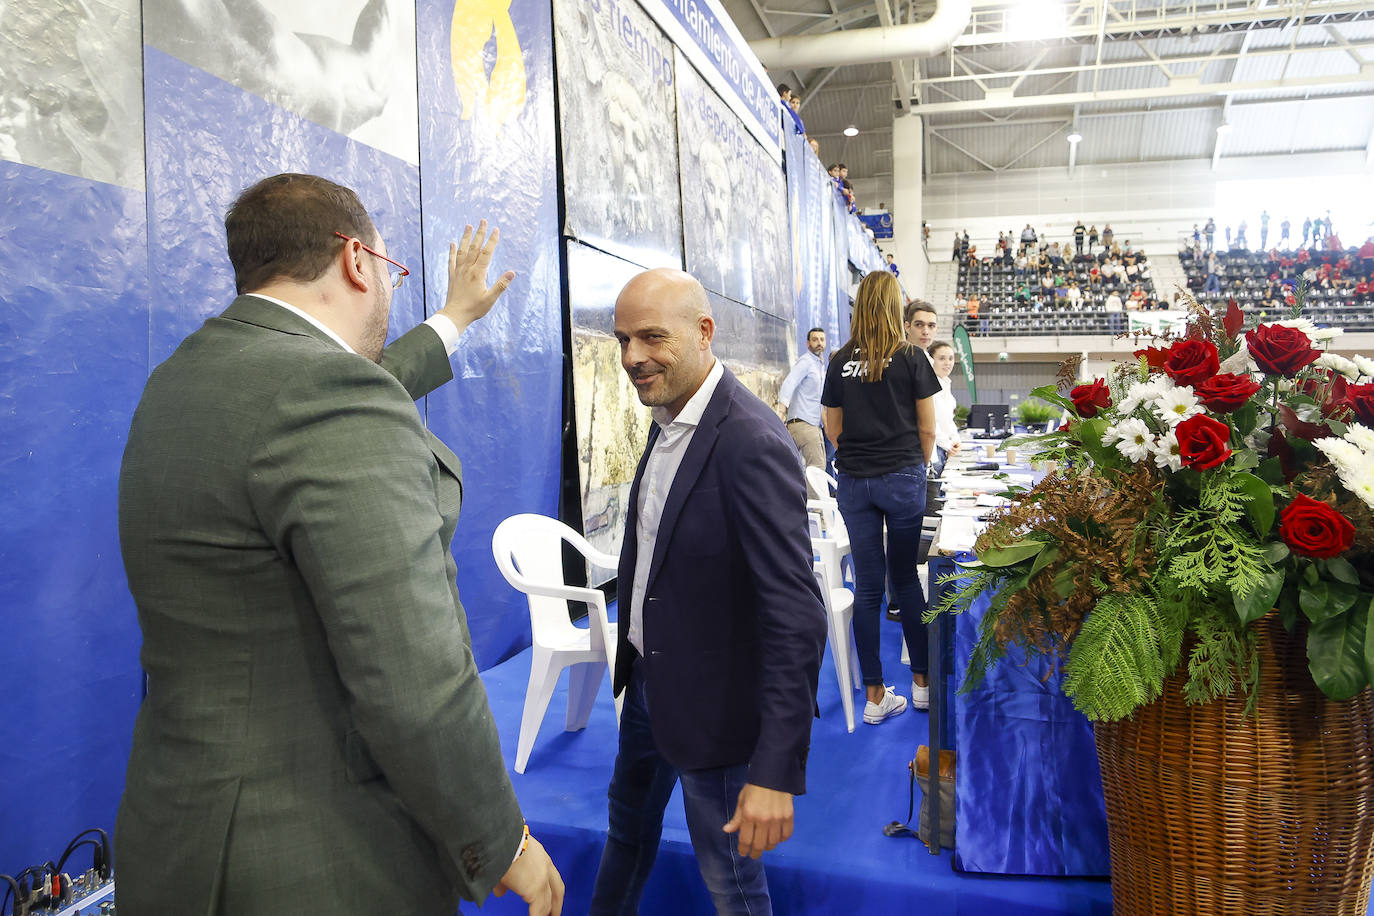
x: 397, y: 275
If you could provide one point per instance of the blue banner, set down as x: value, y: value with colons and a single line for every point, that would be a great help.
x: 74, y: 321
x: 879, y: 223
x: 487, y: 150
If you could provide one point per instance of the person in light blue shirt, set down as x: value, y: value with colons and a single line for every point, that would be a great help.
x: 800, y: 396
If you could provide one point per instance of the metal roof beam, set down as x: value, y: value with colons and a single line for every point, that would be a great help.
x: 1000, y: 101
x: 1136, y: 63
x: 1118, y: 17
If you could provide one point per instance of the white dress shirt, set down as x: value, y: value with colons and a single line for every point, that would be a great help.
x: 675, y: 435
x: 946, y: 430
x: 442, y: 325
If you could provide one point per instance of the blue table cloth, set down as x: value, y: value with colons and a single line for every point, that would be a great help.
x: 1028, y: 787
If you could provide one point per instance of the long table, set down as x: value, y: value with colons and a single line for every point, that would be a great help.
x: 1028, y: 795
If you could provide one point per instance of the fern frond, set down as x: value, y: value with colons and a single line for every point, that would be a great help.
x: 1115, y: 665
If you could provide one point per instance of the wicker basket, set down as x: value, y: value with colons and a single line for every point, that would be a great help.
x: 1211, y: 812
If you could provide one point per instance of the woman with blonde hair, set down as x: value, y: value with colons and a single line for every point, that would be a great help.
x: 879, y: 414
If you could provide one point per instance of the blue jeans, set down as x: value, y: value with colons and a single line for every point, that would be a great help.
x: 898, y: 498
x: 641, y: 785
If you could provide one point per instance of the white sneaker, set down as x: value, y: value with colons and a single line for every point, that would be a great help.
x: 920, y: 696
x: 891, y: 705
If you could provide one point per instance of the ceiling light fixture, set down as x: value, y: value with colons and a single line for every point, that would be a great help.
x: 1074, y: 136
x: 851, y: 131
x: 1223, y: 128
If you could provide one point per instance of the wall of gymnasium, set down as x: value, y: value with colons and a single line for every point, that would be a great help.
x: 126, y: 130
x: 1154, y: 204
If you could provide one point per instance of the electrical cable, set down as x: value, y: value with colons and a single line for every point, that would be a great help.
x: 13, y: 889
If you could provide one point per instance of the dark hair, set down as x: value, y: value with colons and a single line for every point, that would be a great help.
x: 843, y: 166
x: 783, y: 88
x: 814, y: 331
x: 282, y: 228
x: 939, y: 345
x: 914, y: 306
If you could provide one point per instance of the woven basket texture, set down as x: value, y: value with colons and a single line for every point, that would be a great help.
x: 1211, y: 812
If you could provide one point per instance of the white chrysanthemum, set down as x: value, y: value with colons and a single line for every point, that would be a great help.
x: 1176, y: 405
x: 1353, y: 457
x: 1361, y: 435
x: 1134, y: 439
x: 1317, y: 335
x: 1143, y: 392
x: 1167, y: 454
x: 1365, y: 365
x: 1337, y: 363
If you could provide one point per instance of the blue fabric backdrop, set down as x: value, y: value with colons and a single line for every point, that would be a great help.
x: 490, y: 153
x: 1029, y: 792
x: 74, y: 326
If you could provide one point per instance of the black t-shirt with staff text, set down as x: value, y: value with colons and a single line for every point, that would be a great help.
x: 879, y: 434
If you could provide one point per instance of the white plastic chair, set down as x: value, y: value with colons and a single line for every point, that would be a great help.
x: 529, y: 551
x: 839, y: 615
x: 825, y: 518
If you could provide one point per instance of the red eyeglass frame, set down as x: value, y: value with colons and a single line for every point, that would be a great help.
x: 405, y: 272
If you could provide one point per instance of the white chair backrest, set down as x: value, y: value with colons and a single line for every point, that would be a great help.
x: 529, y: 552
x: 822, y: 483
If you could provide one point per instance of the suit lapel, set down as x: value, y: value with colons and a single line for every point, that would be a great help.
x: 629, y: 540
x: 703, y: 441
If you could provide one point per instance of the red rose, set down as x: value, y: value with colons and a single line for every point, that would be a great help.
x: 1280, y: 350
x: 1192, y: 361
x: 1155, y: 357
x: 1314, y: 529
x: 1360, y: 398
x: 1089, y: 399
x: 1226, y: 392
x: 1202, y: 442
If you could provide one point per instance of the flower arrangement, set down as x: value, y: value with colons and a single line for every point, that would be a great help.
x: 1222, y: 475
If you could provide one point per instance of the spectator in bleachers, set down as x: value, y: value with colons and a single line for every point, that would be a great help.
x: 1136, y: 300
x: 955, y: 255
x: 1283, y: 233
x: 1080, y: 234
x: 1306, y: 230
x: 1056, y: 259
x: 1228, y: 238
x: 1106, y: 235
x: 1197, y: 236
x: 974, y: 304
x: 1240, y: 235
x: 1022, y: 263
x: 1208, y: 231
x: 1366, y: 253
x: 1092, y: 238
x: 1264, y: 229
x: 1074, y: 295
x: 1028, y: 236
x: 794, y: 107
x: 1113, y: 307
x: 1213, y: 284
x: 963, y: 245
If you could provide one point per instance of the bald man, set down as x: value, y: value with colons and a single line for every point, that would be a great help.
x: 721, y: 624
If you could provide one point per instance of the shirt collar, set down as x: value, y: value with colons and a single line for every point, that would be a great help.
x: 306, y: 316
x: 690, y: 415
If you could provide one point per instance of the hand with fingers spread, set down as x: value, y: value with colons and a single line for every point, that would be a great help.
x: 763, y: 819
x: 469, y: 297
x: 534, y: 879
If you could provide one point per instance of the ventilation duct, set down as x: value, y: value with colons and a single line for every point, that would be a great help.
x: 867, y: 46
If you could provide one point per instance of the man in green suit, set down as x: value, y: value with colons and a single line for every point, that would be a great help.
x: 315, y: 737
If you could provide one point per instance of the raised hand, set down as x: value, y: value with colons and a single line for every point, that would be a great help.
x: 469, y: 297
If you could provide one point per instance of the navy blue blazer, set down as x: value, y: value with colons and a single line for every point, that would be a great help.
x: 734, y: 627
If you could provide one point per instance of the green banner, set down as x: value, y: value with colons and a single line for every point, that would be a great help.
x: 963, y: 348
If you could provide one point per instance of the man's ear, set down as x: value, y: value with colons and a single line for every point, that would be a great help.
x: 706, y: 326
x: 351, y: 263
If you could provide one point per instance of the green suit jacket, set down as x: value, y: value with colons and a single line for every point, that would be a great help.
x: 315, y: 736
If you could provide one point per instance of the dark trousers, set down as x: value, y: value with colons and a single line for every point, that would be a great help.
x: 899, y: 499
x: 641, y: 785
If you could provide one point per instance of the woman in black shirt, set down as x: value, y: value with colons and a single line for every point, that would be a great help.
x: 878, y: 412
